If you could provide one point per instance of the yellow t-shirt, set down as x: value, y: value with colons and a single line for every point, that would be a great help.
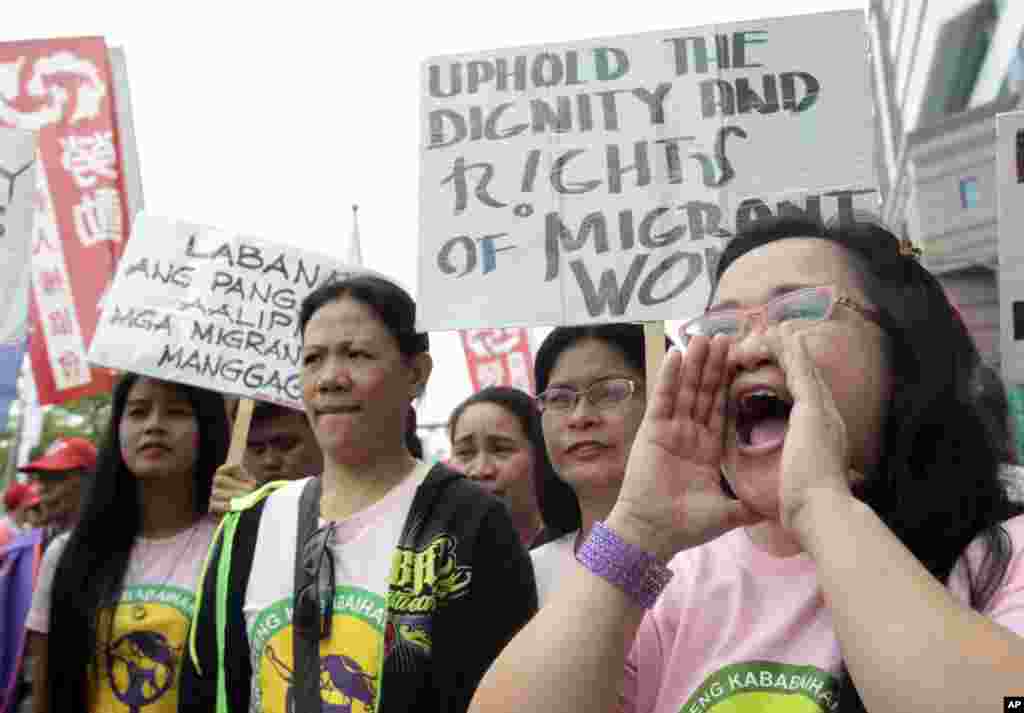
x: 138, y: 661
x: 352, y: 658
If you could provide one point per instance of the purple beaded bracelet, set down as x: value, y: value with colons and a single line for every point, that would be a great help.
x: 636, y: 572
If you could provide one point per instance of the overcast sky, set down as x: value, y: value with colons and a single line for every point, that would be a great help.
x: 273, y: 119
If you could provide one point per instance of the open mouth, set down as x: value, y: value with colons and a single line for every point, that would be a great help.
x: 762, y: 417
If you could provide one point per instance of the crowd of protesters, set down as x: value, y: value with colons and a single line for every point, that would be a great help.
x: 822, y: 483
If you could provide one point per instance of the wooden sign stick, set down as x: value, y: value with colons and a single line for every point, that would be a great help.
x: 240, y: 432
x: 654, y: 352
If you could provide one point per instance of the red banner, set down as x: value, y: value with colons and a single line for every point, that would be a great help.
x: 499, y: 357
x: 63, y: 89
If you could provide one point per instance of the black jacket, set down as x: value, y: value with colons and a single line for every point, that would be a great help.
x: 483, y: 593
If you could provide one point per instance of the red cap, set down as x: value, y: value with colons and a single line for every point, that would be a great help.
x: 65, y: 454
x: 18, y: 495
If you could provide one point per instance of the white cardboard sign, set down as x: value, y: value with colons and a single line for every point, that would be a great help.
x: 596, y: 181
x: 202, y: 306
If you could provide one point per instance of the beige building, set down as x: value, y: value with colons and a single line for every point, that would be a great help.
x: 942, y: 70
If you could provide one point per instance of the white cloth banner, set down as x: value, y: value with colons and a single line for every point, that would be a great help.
x: 17, y: 185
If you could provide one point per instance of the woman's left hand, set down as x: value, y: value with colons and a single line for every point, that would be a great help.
x: 815, y: 456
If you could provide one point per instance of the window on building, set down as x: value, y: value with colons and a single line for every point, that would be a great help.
x: 968, y: 193
x: 1003, y: 69
x: 948, y: 77
x: 981, y: 21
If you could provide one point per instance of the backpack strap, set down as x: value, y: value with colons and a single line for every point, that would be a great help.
x: 225, y: 532
x: 305, y: 646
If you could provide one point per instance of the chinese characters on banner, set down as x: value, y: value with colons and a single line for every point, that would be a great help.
x: 63, y: 90
x: 499, y: 357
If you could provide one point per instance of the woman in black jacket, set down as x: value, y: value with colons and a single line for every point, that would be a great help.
x: 382, y: 585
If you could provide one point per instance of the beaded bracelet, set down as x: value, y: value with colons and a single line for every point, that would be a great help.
x: 636, y: 572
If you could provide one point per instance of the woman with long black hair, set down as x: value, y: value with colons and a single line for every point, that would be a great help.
x: 110, y: 616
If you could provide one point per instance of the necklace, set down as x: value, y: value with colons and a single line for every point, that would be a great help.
x: 139, y: 609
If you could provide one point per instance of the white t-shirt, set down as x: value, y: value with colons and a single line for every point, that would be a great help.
x: 550, y: 562
x: 151, y: 619
x: 363, y: 557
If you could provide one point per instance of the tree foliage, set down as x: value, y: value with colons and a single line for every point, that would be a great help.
x: 86, y: 417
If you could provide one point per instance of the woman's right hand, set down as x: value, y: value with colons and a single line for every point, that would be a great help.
x: 672, y: 498
x: 230, y: 481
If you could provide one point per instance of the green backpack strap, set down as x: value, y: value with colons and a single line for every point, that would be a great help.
x: 226, y: 532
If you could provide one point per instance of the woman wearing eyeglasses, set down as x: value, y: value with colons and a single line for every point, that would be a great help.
x: 871, y: 559
x: 591, y: 381
x: 384, y: 585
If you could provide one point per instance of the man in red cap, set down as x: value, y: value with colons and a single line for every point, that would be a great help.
x: 59, y: 474
x: 22, y: 503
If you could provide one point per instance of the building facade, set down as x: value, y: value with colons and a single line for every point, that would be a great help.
x: 942, y: 70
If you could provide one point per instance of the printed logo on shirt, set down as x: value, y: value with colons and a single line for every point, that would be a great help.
x: 764, y: 686
x: 350, y: 661
x: 140, y: 661
x: 424, y: 579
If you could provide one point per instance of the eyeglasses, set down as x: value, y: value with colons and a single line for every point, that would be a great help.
x: 314, y: 602
x: 602, y: 394
x: 815, y: 304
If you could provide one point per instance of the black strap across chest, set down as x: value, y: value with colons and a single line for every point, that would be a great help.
x: 305, y: 646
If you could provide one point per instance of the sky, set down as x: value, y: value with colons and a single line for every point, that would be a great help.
x: 274, y: 119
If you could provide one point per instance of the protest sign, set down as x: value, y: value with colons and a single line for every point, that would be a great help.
x: 17, y: 183
x: 499, y: 357
x: 64, y: 90
x: 1010, y: 180
x: 202, y: 306
x: 596, y: 181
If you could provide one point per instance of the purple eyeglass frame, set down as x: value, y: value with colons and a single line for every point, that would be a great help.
x: 744, y: 315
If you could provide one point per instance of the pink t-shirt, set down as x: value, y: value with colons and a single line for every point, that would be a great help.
x: 139, y: 663
x: 738, y: 629
x: 169, y: 563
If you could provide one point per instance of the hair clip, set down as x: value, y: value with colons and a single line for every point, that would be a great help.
x: 908, y: 249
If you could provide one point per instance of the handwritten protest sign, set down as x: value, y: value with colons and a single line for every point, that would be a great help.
x: 596, y: 181
x: 1010, y: 177
x: 201, y: 306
